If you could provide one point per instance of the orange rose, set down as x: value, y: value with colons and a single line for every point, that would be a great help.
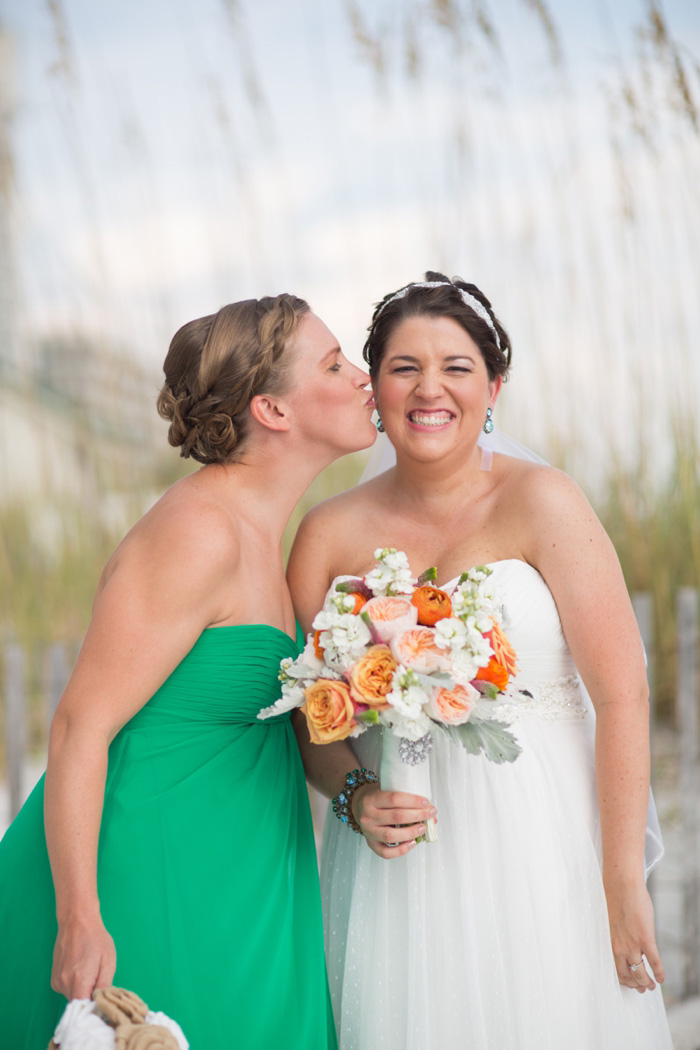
x: 318, y: 648
x: 370, y: 678
x: 502, y: 649
x: 453, y: 706
x: 432, y: 605
x: 329, y: 711
x: 494, y: 673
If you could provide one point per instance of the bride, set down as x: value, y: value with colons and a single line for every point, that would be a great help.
x: 527, y: 925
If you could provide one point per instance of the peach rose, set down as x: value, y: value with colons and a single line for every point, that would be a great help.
x: 370, y: 678
x: 432, y: 605
x: 452, y: 706
x: 417, y: 650
x: 390, y: 615
x: 329, y: 711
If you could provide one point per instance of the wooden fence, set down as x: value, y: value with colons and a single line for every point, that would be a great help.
x: 55, y: 661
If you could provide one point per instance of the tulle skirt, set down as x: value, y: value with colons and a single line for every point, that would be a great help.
x: 496, y: 936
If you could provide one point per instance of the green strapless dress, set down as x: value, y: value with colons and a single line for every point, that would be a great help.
x: 206, y: 869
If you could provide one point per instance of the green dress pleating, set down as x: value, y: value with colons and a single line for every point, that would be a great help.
x: 206, y: 870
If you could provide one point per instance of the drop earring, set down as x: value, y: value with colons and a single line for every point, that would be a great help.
x: 379, y: 425
x: 488, y: 422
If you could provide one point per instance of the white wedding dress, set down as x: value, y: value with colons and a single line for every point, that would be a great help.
x: 495, y: 937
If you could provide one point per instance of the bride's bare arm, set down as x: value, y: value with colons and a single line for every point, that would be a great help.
x: 309, y: 574
x: 576, y: 558
x: 156, y: 598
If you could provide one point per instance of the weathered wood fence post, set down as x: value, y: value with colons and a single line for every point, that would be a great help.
x: 688, y: 729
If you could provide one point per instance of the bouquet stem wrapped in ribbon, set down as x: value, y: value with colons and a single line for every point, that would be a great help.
x: 406, y: 767
x: 388, y: 649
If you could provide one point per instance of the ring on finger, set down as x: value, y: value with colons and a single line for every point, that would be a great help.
x: 635, y: 966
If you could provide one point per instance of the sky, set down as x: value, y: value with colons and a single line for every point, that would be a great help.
x: 173, y: 156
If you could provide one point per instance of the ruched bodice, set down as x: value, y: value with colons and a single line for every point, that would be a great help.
x: 206, y: 867
x: 228, y: 675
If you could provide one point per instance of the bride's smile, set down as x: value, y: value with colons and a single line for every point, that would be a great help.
x: 433, y: 387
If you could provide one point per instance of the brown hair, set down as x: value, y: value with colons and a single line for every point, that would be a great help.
x: 214, y: 367
x: 442, y: 301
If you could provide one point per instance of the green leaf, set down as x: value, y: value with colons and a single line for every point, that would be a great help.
x: 367, y: 620
x: 489, y: 690
x: 437, y: 678
x: 356, y: 586
x: 370, y: 717
x: 494, y: 739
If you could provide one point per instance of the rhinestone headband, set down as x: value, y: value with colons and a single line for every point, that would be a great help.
x: 468, y: 299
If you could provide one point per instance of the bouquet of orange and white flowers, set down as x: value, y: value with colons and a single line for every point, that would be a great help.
x: 401, y: 652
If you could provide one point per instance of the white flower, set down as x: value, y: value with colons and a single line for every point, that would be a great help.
x: 81, y: 1029
x: 341, y: 602
x: 392, y: 575
x: 478, y: 647
x: 156, y: 1017
x: 407, y: 695
x: 463, y: 667
x: 410, y: 728
x: 450, y: 633
x: 343, y: 637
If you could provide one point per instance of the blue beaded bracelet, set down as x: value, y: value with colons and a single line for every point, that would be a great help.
x: 342, y: 803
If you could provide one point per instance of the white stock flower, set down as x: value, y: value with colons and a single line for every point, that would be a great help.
x: 156, y: 1017
x: 463, y: 667
x: 341, y: 602
x: 450, y: 633
x: 392, y: 575
x: 410, y: 728
x: 81, y: 1029
x: 407, y: 695
x: 343, y: 638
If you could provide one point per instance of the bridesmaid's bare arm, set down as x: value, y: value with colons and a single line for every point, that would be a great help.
x: 157, y: 593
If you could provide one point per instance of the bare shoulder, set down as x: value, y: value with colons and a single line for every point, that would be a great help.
x: 544, y: 490
x: 332, y: 519
x: 559, y: 529
x: 185, y: 533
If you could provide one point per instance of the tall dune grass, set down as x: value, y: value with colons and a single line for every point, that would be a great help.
x: 46, y: 595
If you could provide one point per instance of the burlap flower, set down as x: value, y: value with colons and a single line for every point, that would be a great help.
x: 144, y: 1037
x: 118, y: 1006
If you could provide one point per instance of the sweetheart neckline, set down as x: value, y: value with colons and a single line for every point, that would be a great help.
x: 489, y: 564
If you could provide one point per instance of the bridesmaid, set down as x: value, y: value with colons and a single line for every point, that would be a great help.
x: 178, y: 857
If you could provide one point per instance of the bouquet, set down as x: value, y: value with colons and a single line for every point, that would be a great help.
x: 115, y: 1019
x: 391, y: 650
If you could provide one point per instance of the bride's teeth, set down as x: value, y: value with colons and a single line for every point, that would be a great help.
x: 429, y: 421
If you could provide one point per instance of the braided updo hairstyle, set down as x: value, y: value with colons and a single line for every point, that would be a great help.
x: 214, y: 367
x: 443, y: 301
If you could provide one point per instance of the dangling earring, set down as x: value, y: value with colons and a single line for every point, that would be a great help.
x: 379, y: 425
x: 488, y: 422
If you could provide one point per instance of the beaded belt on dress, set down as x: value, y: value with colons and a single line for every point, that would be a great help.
x: 553, y: 700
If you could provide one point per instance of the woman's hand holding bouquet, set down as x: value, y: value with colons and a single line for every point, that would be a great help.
x: 399, y: 652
